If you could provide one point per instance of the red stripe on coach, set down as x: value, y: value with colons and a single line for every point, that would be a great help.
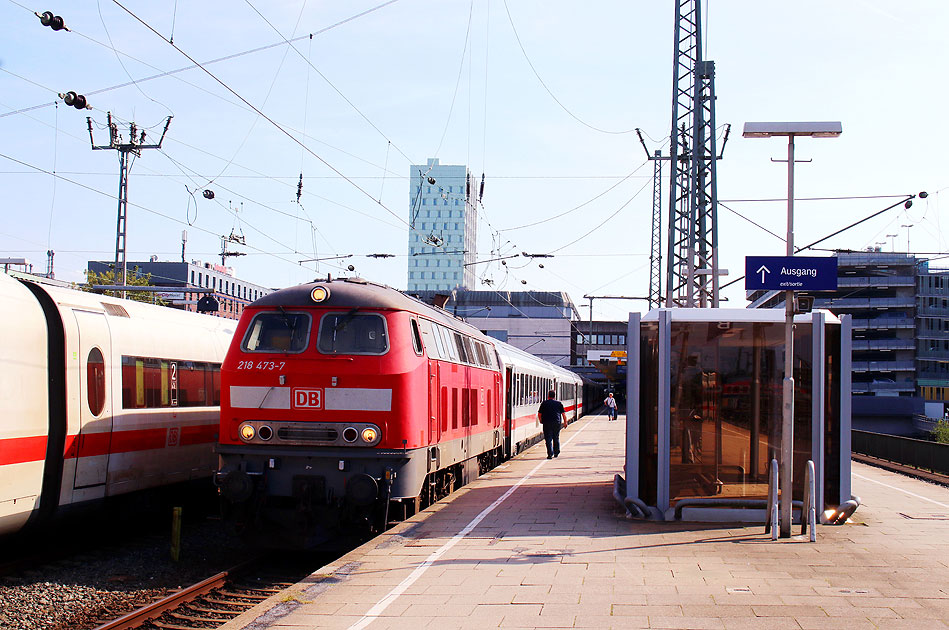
x: 200, y: 434
x: 22, y: 450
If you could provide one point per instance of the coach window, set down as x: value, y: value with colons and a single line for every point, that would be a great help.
x: 482, y: 355
x: 353, y: 333
x: 448, y: 342
x: 277, y: 332
x: 472, y: 358
x: 95, y: 381
x: 416, y: 338
x: 460, y: 346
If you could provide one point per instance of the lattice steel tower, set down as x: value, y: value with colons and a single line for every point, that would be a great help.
x: 692, y: 276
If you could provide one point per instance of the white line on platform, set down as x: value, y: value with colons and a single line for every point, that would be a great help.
x: 403, y: 586
x: 912, y: 494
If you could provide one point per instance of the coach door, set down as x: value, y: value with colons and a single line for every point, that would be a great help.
x: 434, y: 385
x: 94, y: 398
x: 509, y: 411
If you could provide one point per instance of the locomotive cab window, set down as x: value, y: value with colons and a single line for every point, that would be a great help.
x: 277, y: 332
x: 416, y: 338
x: 353, y: 333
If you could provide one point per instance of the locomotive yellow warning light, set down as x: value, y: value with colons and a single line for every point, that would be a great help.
x: 247, y: 432
x: 369, y: 434
x: 319, y: 294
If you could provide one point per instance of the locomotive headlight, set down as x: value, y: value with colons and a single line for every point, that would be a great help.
x: 369, y: 435
x: 319, y: 294
x: 247, y: 432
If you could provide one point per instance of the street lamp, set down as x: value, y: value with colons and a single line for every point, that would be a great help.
x: 892, y: 238
x: 907, y: 235
x: 791, y: 130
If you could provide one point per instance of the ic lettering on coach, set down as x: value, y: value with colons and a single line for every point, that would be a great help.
x: 308, y: 398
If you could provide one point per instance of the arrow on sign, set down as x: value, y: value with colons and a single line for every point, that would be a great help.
x: 763, y: 270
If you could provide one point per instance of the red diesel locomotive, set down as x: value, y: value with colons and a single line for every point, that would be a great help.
x: 347, y: 403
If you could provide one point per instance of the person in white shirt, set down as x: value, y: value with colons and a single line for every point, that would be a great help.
x: 610, y: 403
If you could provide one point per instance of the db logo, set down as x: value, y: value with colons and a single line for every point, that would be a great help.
x: 308, y: 398
x: 173, y: 435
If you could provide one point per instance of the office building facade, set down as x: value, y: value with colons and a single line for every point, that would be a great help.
x: 187, y: 283
x: 899, y: 306
x: 444, y: 227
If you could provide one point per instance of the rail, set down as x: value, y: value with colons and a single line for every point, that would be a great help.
x: 137, y: 617
x: 920, y: 454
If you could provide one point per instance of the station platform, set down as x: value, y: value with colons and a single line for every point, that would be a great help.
x: 540, y: 543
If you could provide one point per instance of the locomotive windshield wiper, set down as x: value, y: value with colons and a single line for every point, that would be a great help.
x: 291, y: 324
x: 345, y: 319
x: 341, y: 322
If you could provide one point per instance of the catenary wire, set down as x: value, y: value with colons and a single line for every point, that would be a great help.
x: 264, y: 116
x: 602, y: 223
x: 557, y: 216
x: 552, y: 95
x: 195, y: 64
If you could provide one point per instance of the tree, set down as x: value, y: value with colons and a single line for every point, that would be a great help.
x: 941, y: 432
x: 133, y: 277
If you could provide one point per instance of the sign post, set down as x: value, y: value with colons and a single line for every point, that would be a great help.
x: 789, y: 129
x: 789, y: 273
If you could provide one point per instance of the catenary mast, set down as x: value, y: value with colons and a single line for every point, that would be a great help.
x: 692, y: 276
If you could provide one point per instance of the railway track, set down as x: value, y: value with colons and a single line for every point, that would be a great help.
x: 216, y: 600
x: 904, y: 469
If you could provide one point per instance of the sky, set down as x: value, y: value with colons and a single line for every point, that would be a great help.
x: 539, y: 96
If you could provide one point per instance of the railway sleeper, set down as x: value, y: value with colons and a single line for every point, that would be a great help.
x: 171, y: 626
x: 232, y: 602
x: 213, y: 611
x: 243, y: 595
x: 268, y: 590
x: 183, y: 617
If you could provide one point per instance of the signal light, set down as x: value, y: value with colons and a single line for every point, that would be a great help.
x: 75, y: 100
x: 53, y: 21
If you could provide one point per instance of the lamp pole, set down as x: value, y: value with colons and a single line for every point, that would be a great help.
x: 907, y: 235
x: 787, y: 423
x: 789, y: 129
x: 892, y: 238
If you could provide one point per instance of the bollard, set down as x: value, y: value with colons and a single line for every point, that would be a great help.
x: 175, y: 533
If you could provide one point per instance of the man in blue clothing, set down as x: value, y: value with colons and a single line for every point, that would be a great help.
x: 553, y: 416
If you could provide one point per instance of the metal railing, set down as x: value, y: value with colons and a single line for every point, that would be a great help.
x: 921, y: 454
x: 884, y: 344
x: 879, y: 323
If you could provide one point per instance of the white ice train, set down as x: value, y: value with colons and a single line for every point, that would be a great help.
x: 100, y: 397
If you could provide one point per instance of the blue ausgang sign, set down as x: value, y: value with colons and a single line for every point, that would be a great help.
x: 790, y: 273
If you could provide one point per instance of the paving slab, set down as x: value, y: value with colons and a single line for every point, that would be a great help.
x: 556, y: 551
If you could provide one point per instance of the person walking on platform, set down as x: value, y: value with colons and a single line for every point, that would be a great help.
x: 610, y: 403
x: 553, y: 416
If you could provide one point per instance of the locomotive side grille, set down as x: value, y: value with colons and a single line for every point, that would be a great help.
x: 307, y: 434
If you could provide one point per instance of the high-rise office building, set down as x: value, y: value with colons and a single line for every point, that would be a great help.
x: 444, y: 227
